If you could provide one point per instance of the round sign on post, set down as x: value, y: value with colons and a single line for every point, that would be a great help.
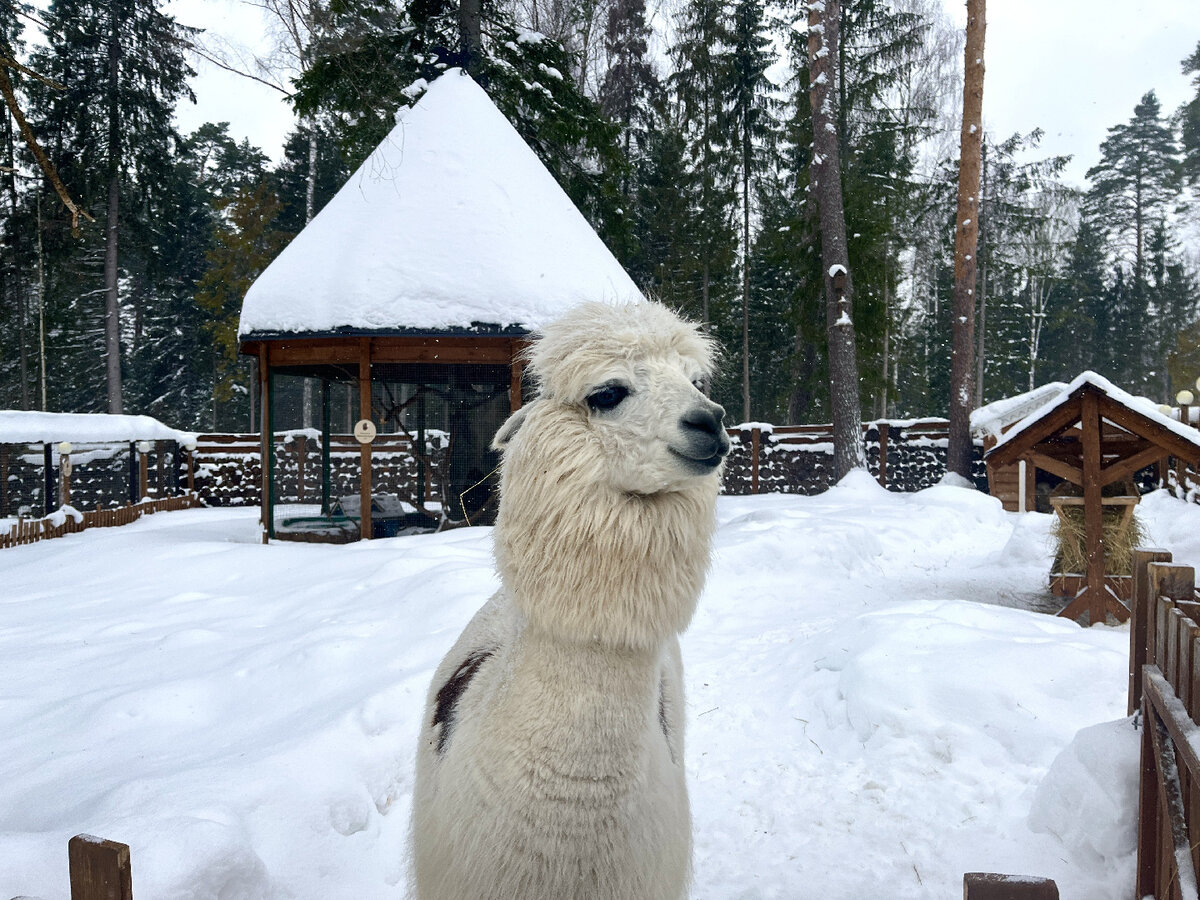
x: 364, y: 431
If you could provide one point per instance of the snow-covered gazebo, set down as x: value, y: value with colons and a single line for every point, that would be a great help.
x: 428, y: 270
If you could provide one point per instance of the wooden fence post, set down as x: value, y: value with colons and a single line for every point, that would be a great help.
x: 755, y: 444
x: 3, y: 481
x: 883, y: 452
x: 99, y: 869
x: 64, y: 472
x: 1141, y: 620
x: 986, y: 886
x: 51, y: 489
x: 143, y: 448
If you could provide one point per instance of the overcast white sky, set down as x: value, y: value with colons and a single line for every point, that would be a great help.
x: 1071, y: 67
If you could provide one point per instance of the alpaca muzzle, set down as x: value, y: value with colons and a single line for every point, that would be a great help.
x: 705, y: 443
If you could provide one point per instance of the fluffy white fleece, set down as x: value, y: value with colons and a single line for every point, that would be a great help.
x: 550, y: 765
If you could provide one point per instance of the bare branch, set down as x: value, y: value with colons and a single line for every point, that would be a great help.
x: 221, y: 63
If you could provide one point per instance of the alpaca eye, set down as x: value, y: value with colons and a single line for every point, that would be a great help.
x: 700, y: 384
x: 608, y: 397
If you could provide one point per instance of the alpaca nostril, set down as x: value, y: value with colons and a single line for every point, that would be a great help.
x: 703, y: 419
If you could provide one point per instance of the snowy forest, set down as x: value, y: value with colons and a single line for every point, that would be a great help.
x: 683, y: 133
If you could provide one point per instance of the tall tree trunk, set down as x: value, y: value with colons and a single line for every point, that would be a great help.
x: 13, y: 283
x: 746, y: 275
x: 826, y: 182
x: 966, y: 240
x: 41, y: 296
x: 112, y: 300
x: 981, y: 355
x: 470, y: 32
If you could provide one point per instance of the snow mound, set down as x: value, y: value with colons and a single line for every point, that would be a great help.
x: 1088, y: 799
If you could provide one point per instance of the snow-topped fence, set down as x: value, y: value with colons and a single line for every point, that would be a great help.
x: 903, y: 454
x: 1164, y: 685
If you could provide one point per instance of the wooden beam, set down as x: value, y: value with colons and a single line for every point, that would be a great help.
x: 1051, y: 424
x: 1057, y: 467
x: 1133, y: 421
x: 398, y: 350
x: 99, y: 869
x: 517, y: 361
x: 1125, y: 468
x: 364, y: 410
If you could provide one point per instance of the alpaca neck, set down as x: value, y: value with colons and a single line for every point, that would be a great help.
x: 615, y: 569
x: 584, y: 710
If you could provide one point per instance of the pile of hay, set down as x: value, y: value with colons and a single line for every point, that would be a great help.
x: 1070, y: 534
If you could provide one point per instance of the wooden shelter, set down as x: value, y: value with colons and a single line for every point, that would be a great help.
x: 1095, y: 435
x: 425, y: 274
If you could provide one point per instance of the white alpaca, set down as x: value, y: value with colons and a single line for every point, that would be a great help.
x: 550, y: 764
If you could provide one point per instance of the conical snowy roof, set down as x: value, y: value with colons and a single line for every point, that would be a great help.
x: 451, y: 222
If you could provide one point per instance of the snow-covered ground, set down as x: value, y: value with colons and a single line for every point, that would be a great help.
x: 873, y: 710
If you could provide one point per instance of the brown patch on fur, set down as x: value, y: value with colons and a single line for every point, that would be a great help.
x: 450, y: 693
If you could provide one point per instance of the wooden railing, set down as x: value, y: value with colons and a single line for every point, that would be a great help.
x: 29, y: 531
x: 1164, y: 684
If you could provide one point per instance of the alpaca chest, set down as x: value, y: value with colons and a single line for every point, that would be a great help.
x: 561, y: 781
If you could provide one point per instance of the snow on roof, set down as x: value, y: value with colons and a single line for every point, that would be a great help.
x: 451, y: 222
x: 1142, y: 405
x: 994, y: 417
x: 24, y: 427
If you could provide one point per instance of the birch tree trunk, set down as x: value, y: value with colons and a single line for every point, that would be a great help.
x: 966, y: 240
x: 826, y: 182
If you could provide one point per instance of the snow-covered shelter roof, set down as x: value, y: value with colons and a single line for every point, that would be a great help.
x: 451, y: 223
x: 25, y: 427
x: 993, y: 418
x: 1145, y: 407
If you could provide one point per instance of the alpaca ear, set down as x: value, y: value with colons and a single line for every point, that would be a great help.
x: 510, y: 427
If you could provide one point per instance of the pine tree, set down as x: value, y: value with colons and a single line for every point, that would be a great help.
x: 375, y: 57
x: 292, y: 181
x: 246, y: 241
x: 748, y: 118
x: 1189, y: 118
x: 1076, y: 331
x: 697, y: 85
x: 16, y: 344
x: 122, y: 62
x: 1135, y: 182
x: 825, y: 178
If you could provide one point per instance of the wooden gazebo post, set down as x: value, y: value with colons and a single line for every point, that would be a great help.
x: 364, y: 412
x: 1093, y: 597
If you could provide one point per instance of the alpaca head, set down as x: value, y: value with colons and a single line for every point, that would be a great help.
x: 628, y: 381
x: 609, y: 479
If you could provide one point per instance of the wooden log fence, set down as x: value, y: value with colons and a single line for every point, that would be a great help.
x: 30, y: 531
x: 1164, y: 685
x: 758, y: 437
